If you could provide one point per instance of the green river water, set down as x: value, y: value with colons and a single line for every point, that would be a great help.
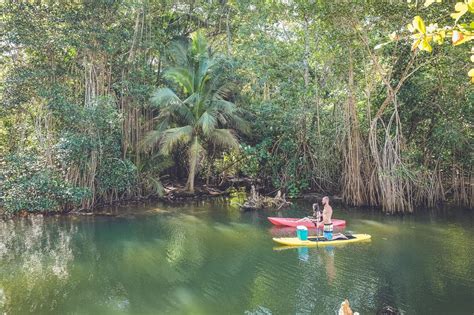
x: 210, y: 258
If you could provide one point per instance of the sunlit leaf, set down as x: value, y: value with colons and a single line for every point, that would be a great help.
x: 415, y: 44
x: 378, y: 46
x: 439, y: 37
x: 461, y: 8
x: 425, y: 45
x: 419, y: 24
x: 470, y: 5
x: 429, y: 2
x: 471, y: 74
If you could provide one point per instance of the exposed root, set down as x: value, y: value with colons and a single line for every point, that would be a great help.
x: 256, y: 201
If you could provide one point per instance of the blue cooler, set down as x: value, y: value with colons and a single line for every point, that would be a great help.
x: 302, y: 232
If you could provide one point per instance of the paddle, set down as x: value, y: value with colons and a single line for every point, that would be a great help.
x: 318, y: 217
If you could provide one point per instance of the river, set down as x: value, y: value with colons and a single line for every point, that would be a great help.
x: 211, y: 258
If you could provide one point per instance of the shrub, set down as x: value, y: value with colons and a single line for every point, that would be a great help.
x: 30, y: 184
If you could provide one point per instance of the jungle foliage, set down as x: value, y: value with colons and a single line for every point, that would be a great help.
x: 104, y: 100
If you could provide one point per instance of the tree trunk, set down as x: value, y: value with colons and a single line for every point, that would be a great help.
x: 194, y: 152
x: 229, y: 35
x: 353, y: 182
x: 306, y: 53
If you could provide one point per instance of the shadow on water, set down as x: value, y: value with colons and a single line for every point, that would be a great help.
x: 210, y: 258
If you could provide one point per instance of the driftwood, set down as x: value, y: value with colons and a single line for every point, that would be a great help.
x: 256, y: 201
x: 179, y: 192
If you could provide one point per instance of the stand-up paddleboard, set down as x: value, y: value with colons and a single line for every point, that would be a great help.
x: 320, y: 241
x: 294, y: 222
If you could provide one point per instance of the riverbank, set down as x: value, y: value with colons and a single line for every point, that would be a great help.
x: 175, y: 193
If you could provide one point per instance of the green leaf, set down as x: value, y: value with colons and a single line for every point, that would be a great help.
x: 181, y: 76
x: 207, y: 122
x: 171, y: 137
x: 224, y: 138
x: 163, y: 97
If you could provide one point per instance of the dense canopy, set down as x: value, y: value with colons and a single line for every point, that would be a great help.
x: 107, y: 100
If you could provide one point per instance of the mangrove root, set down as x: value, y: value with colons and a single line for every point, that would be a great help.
x: 256, y: 201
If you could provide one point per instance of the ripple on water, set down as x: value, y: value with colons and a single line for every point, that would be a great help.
x: 219, y: 263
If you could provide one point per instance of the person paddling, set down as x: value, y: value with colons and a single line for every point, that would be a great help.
x: 327, y: 221
x: 327, y: 215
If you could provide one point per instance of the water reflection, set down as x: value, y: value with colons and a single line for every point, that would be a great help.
x: 2, y: 301
x: 189, y: 261
x: 33, y: 258
x: 303, y: 253
x: 326, y: 256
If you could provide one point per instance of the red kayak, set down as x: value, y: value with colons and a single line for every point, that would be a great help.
x: 294, y: 222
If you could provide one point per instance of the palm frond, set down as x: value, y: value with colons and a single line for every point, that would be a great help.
x: 201, y: 76
x: 171, y: 105
x: 151, y: 139
x: 224, y: 107
x: 178, y: 53
x: 199, y: 44
x: 206, y: 108
x: 171, y: 137
x: 207, y: 122
x: 192, y: 99
x: 222, y: 120
x: 222, y: 88
x: 184, y: 114
x: 238, y: 123
x: 157, y: 186
x: 164, y: 97
x: 224, y: 138
x: 182, y: 76
x: 204, y: 72
x: 163, y: 124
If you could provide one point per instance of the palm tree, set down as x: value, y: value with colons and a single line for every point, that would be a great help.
x: 203, y: 115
